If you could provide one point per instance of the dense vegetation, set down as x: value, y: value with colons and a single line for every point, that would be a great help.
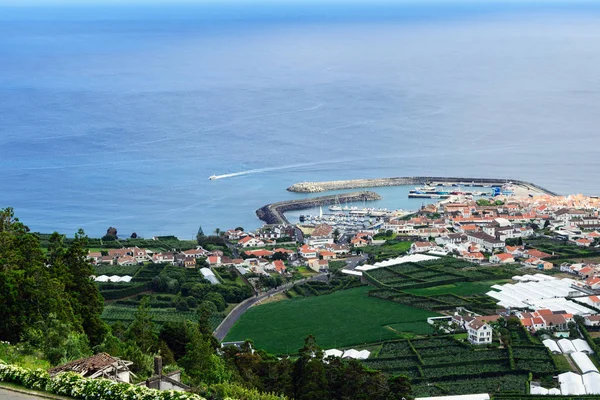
x: 51, y: 313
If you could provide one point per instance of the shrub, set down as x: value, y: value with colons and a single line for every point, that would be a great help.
x: 74, y: 385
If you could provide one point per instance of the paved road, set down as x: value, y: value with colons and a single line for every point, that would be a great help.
x: 241, y: 308
x: 10, y: 395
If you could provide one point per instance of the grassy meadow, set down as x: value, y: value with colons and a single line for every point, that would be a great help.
x: 342, y: 319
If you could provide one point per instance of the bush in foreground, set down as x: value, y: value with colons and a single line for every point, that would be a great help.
x: 73, y: 385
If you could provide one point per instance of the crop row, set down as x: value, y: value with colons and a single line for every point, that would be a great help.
x: 535, y: 366
x: 531, y: 352
x: 510, y: 383
x: 466, y: 369
x: 447, y: 356
x: 385, y: 364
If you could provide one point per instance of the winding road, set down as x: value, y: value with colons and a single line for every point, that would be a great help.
x: 241, y: 308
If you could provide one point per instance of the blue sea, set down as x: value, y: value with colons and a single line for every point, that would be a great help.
x: 117, y: 116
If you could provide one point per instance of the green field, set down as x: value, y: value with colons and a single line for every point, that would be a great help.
x: 459, y: 288
x: 342, y: 319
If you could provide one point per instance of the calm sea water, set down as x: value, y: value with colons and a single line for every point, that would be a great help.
x: 117, y: 117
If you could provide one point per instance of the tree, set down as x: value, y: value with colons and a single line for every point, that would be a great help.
x: 400, y: 386
x: 336, y: 234
x: 84, y: 296
x: 200, y: 361
x: 29, y: 291
x: 309, y: 373
x: 239, y: 229
x: 217, y: 299
x: 174, y: 335
x: 141, y: 329
x: 206, y: 310
x: 134, y: 235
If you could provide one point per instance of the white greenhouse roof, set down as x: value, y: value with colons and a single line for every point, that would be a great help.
x: 540, y: 291
x: 551, y: 344
x: 592, y: 383
x: 333, y: 353
x: 582, y: 345
x: 566, y: 346
x: 395, y: 261
x: 101, y: 278
x: 538, y: 390
x: 583, y: 362
x: 206, y: 272
x: 571, y: 383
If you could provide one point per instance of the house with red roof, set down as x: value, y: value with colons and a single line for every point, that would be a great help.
x: 327, y: 255
x: 535, y: 253
x: 476, y: 257
x: 592, y: 283
x: 307, y: 252
x: 249, y: 241
x: 214, y: 260
x: 422, y: 247
x: 279, y: 266
x: 583, y: 242
x: 586, y: 272
x: 259, y: 253
x: 359, y: 242
x: 502, y: 258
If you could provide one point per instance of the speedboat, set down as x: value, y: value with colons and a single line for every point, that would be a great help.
x: 212, y: 177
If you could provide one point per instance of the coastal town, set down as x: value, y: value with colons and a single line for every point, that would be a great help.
x: 510, y: 276
x: 546, y: 247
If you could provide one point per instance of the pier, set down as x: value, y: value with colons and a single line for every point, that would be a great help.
x: 274, y: 213
x: 315, y: 187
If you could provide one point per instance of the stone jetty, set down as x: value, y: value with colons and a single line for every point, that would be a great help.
x: 316, y: 187
x: 274, y: 213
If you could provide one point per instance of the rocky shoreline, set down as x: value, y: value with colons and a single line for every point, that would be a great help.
x: 274, y: 213
x: 316, y: 187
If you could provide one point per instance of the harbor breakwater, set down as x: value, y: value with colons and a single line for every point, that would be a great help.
x: 316, y: 187
x: 274, y: 213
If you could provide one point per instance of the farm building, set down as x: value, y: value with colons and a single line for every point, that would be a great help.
x: 333, y: 353
x: 413, y: 258
x: 209, y: 275
x: 538, y: 293
x: 566, y: 346
x: 582, y: 346
x: 583, y: 362
x: 552, y: 346
x: 592, y: 382
x: 571, y: 383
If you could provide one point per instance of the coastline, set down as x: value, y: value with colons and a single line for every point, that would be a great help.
x: 274, y: 213
x: 316, y: 187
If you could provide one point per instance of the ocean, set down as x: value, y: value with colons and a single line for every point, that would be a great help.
x: 117, y: 116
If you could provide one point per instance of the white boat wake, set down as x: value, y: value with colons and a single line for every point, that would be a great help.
x: 261, y: 170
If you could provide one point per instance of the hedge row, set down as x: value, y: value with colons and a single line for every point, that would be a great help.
x: 125, y: 292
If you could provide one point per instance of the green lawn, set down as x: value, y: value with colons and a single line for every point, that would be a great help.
x: 342, y: 319
x: 459, y: 288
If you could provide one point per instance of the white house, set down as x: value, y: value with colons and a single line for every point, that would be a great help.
x: 479, y: 332
x: 422, y: 247
x: 488, y: 242
x: 249, y: 241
